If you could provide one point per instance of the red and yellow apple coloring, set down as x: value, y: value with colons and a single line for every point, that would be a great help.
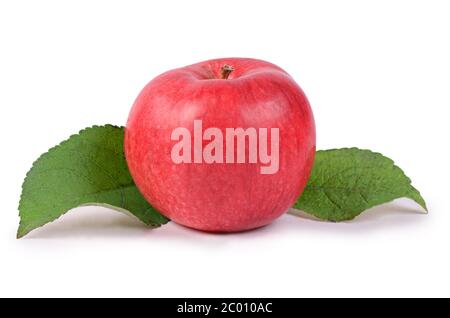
x: 222, y: 146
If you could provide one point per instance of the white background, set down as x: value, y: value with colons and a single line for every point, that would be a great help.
x: 377, y: 74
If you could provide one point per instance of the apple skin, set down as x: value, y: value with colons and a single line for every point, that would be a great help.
x: 220, y: 197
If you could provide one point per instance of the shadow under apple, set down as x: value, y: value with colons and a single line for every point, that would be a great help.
x: 94, y: 221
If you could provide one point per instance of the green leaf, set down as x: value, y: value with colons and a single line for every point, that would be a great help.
x: 345, y: 182
x: 87, y: 169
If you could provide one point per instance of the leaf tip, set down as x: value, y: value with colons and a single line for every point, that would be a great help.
x: 418, y: 198
x: 424, y: 207
x: 21, y: 232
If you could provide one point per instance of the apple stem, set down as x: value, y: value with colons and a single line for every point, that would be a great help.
x: 225, y: 71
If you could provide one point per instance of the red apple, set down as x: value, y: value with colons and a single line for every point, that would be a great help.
x: 224, y: 145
